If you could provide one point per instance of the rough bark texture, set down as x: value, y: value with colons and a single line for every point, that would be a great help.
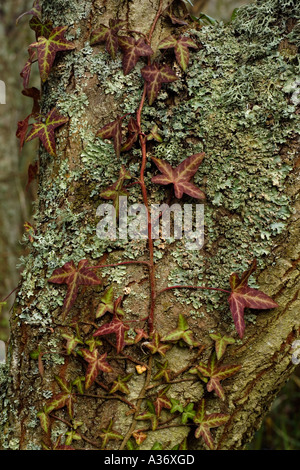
x: 237, y: 103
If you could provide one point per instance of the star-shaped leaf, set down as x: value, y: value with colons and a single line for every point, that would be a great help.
x: 134, y: 131
x: 163, y: 371
x: 181, y: 48
x: 65, y: 398
x: 180, y: 176
x: 106, y: 303
x: 206, y: 422
x: 44, y: 130
x: 216, y: 374
x: 109, y: 434
x: 47, y: 48
x: 120, y: 384
x: 96, y: 363
x: 243, y: 297
x: 221, y: 343
x: 116, y: 327
x: 154, y: 134
x: 74, y: 277
x: 109, y: 35
x: 156, y: 346
x: 113, y: 130
x: 72, y: 341
x: 182, y: 332
x: 133, y: 50
x: 140, y: 334
x: 177, y: 407
x: 155, y: 75
x: 150, y: 415
x: 188, y: 413
x: 161, y: 402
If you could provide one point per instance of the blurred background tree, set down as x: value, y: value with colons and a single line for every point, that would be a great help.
x: 280, y: 430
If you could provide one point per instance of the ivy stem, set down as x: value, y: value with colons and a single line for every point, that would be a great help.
x: 7, y: 297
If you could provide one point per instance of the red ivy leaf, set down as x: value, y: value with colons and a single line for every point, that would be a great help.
x: 40, y: 29
x: 206, y: 422
x: 133, y: 50
x: 243, y: 297
x: 117, y: 327
x: 30, y: 231
x: 133, y: 130
x: 44, y: 129
x: 47, y: 49
x: 155, y: 75
x: 35, y: 94
x: 97, y: 363
x: 74, y: 277
x: 217, y: 373
x: 35, y: 10
x: 113, y: 130
x: 176, y: 20
x: 109, y: 36
x: 180, y: 176
x: 22, y: 131
x: 25, y: 73
x: 181, y: 48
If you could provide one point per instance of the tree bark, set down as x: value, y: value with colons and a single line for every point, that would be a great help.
x: 237, y: 102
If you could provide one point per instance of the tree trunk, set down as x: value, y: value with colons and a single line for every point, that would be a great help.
x: 237, y: 102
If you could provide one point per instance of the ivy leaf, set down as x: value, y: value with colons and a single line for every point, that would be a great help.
x: 96, y: 363
x: 116, y: 327
x: 221, y: 343
x: 78, y: 382
x: 44, y: 130
x: 155, y: 75
x: 180, y: 176
x: 140, y: 334
x: 47, y: 49
x: 65, y: 398
x: 106, y: 303
x: 26, y: 71
x: 163, y: 372
x: 134, y: 131
x: 181, y: 48
x: 150, y: 415
x: 44, y: 421
x: 93, y: 343
x: 35, y: 94
x: 133, y: 50
x: 188, y: 413
x: 176, y: 406
x: 72, y: 342
x: 161, y: 402
x: 40, y: 28
x: 35, y: 10
x: 72, y: 436
x: 156, y: 346
x: 216, y: 374
x: 182, y: 332
x: 74, y: 277
x: 113, y: 130
x: 109, y: 35
x: 139, y: 437
x: 120, y: 384
x: 176, y: 20
x: 154, y: 134
x: 109, y: 434
x: 206, y: 422
x: 22, y: 131
x: 243, y: 297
